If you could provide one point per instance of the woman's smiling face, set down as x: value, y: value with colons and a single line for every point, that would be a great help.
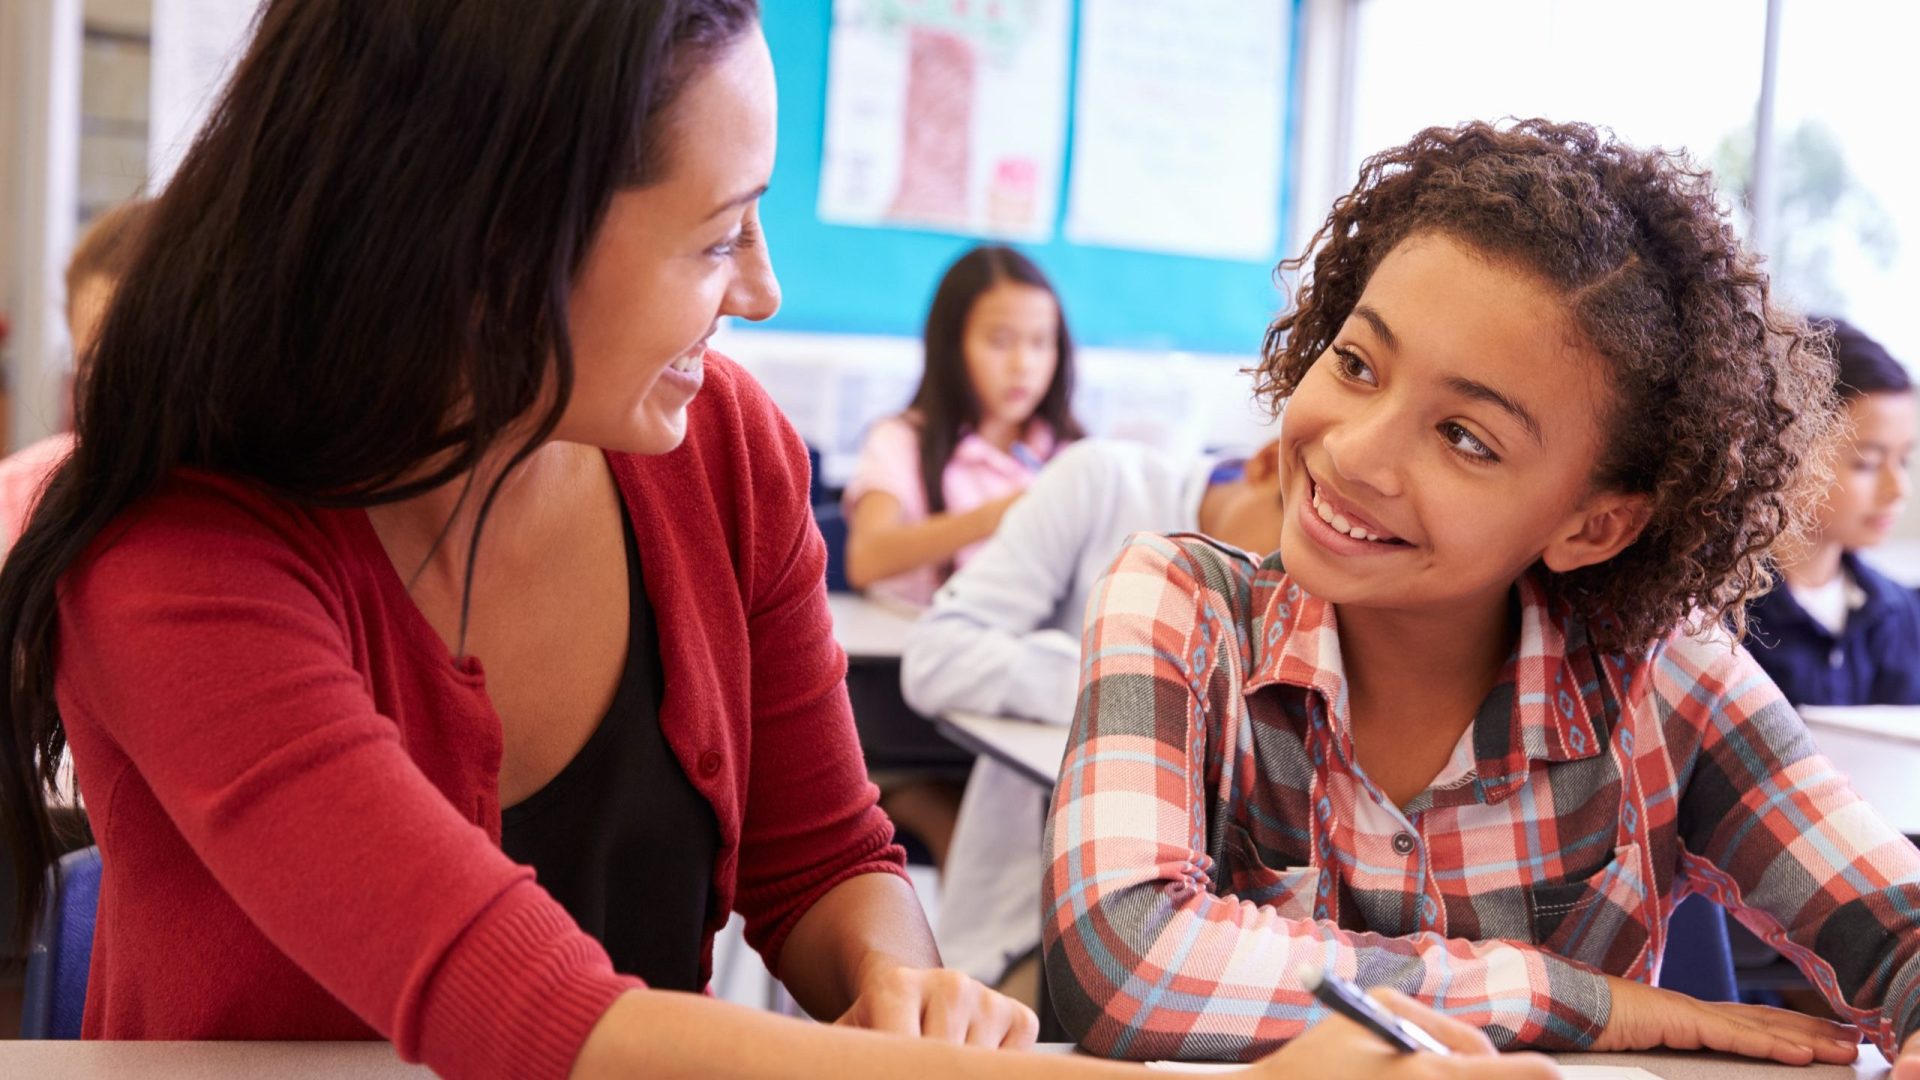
x: 1446, y: 441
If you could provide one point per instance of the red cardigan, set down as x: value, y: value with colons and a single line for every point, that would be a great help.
x: 294, y: 786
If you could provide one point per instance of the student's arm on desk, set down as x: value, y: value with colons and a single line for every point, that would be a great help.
x: 984, y: 647
x: 880, y: 545
x: 1801, y: 860
x: 657, y: 1033
x: 1131, y: 908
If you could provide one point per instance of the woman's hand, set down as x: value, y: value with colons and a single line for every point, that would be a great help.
x: 939, y: 1003
x: 1338, y: 1049
x: 1645, y: 1017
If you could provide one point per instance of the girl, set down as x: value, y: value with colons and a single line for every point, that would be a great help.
x: 432, y: 267
x: 1833, y: 631
x: 1475, y: 729
x: 995, y: 401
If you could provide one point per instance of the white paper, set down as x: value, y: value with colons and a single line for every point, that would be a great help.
x: 195, y: 46
x: 948, y: 115
x: 1177, y: 126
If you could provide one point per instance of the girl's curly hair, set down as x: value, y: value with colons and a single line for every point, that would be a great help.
x: 1721, y: 399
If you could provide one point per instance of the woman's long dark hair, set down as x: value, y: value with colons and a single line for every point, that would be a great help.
x: 355, y: 286
x: 945, y: 404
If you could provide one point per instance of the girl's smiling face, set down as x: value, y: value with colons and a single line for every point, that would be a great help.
x: 1447, y: 439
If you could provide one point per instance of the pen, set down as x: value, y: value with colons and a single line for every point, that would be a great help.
x: 1349, y: 1001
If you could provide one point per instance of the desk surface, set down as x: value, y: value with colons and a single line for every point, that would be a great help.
x: 1880, y: 764
x: 868, y: 630
x: 1033, y: 749
x: 376, y: 1061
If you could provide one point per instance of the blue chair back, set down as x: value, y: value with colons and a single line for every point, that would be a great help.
x: 833, y: 529
x: 62, y: 948
x: 1699, y: 960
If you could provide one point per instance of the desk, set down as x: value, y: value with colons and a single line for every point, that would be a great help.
x: 868, y: 630
x: 376, y: 1061
x: 892, y: 736
x: 1879, y: 750
x: 1030, y: 748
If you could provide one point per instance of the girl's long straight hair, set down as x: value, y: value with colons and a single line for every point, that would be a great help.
x: 945, y: 403
x: 355, y: 286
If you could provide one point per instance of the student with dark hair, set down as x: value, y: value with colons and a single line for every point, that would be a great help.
x: 98, y: 263
x: 993, y: 405
x: 411, y: 372
x: 1833, y: 630
x: 1478, y: 726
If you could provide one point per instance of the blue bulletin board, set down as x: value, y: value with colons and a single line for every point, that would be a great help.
x: 849, y: 279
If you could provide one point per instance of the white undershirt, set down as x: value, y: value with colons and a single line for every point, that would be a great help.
x: 1830, y: 604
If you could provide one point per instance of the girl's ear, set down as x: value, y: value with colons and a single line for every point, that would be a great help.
x: 1601, y: 528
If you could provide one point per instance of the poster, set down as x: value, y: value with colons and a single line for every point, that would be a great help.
x: 196, y: 44
x: 1177, y: 126
x: 946, y: 114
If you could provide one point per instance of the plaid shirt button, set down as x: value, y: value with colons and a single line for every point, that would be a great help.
x: 1403, y: 843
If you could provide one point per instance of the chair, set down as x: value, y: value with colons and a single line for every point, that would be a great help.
x: 1699, y: 959
x: 833, y: 529
x: 62, y: 948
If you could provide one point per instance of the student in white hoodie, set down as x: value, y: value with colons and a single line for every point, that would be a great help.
x: 1003, y: 637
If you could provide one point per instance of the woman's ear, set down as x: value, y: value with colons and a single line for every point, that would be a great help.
x: 1601, y: 528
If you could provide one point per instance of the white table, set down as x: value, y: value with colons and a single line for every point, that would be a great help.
x: 1033, y: 749
x: 868, y: 629
x: 58, y: 1060
x: 1878, y: 748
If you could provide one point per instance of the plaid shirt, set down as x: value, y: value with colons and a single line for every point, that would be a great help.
x: 1210, y: 831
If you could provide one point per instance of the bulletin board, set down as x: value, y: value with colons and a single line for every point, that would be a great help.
x: 853, y: 280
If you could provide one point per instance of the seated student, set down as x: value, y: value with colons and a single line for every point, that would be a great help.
x: 1003, y: 637
x: 370, y: 316
x: 1476, y: 728
x: 1833, y: 631
x: 98, y: 262
x: 994, y: 403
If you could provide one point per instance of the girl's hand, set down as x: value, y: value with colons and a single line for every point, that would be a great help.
x: 1645, y: 1017
x: 938, y: 1003
x: 1338, y: 1049
x: 1907, y: 1065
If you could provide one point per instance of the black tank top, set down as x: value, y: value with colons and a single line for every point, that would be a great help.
x: 620, y: 837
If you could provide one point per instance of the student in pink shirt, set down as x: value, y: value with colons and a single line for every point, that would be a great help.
x: 92, y: 275
x: 994, y: 403
x: 933, y: 482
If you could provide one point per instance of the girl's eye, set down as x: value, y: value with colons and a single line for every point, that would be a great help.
x: 1350, y: 367
x: 1464, y: 442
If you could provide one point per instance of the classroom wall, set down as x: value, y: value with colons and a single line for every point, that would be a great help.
x: 844, y: 279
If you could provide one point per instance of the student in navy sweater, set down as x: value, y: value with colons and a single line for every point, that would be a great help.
x: 1834, y: 631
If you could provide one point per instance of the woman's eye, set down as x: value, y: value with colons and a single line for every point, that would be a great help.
x: 1462, y: 440
x: 1351, y: 367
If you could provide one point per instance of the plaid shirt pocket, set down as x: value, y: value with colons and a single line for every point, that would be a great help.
x: 1291, y: 891
x: 1600, y: 920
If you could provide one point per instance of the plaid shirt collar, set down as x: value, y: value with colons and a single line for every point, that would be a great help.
x: 1551, y: 703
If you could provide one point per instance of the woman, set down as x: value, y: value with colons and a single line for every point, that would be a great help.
x: 436, y: 281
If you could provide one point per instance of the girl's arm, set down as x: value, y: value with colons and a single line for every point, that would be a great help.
x: 885, y: 493
x: 1772, y: 830
x: 1147, y: 962
x: 881, y: 544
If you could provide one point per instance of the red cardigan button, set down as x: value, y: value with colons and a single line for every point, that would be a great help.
x: 710, y: 763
